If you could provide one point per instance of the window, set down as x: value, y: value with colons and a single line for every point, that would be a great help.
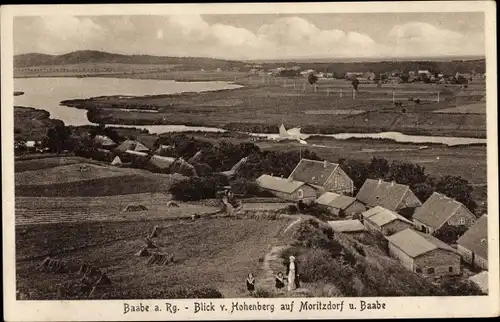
x: 462, y: 221
x: 430, y: 270
x: 300, y: 193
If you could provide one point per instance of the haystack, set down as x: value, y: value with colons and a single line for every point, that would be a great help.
x: 143, y: 252
x: 126, y: 145
x: 131, y: 208
x: 116, y: 161
x: 154, y: 233
x: 172, y: 204
x: 103, y: 280
x: 139, y: 147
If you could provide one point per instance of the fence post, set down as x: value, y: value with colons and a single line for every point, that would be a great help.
x: 393, y: 96
x: 353, y: 94
x: 327, y: 92
x: 341, y: 93
x: 294, y: 84
x: 314, y: 87
x: 304, y: 87
x: 438, y: 97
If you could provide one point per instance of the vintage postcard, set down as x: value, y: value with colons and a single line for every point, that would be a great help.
x: 250, y: 161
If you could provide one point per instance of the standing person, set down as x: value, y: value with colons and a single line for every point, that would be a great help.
x: 280, y: 281
x: 250, y: 283
x: 292, y: 274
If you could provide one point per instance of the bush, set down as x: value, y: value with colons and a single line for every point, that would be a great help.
x: 262, y: 293
x: 247, y: 188
x: 197, y: 188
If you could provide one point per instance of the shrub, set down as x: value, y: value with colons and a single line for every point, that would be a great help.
x: 197, y: 188
x: 247, y: 188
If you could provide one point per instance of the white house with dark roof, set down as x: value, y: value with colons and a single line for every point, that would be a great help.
x: 390, y: 195
x: 324, y: 175
x: 340, y: 204
x: 438, y: 210
x: 385, y: 221
x: 287, y: 189
x: 424, y: 254
x: 473, y: 244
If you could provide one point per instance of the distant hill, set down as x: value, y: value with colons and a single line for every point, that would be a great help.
x: 92, y: 56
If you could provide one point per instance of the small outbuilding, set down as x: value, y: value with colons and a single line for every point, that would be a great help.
x: 385, y: 221
x: 351, y: 227
x: 340, y: 205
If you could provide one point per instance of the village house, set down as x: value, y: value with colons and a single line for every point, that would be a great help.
x: 159, y: 163
x: 438, y: 210
x: 390, y: 195
x: 473, y: 245
x: 340, y: 205
x: 287, y: 189
x: 351, y: 227
x: 385, y: 221
x: 323, y: 175
x: 424, y: 254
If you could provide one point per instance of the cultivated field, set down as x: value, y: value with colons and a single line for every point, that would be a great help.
x: 216, y: 253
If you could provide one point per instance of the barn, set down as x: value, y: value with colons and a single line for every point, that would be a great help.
x: 424, y: 254
x: 287, y: 189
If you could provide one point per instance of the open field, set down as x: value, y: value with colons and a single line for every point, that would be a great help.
x: 215, y: 253
x: 274, y: 104
x: 51, y: 180
x: 66, y: 174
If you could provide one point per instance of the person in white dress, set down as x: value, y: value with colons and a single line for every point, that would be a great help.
x: 291, y: 274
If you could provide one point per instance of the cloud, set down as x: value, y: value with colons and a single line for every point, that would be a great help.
x: 191, y: 35
x: 423, y: 38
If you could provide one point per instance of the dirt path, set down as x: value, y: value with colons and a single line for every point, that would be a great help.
x: 273, y: 264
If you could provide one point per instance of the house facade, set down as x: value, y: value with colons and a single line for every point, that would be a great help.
x: 424, y: 254
x: 439, y: 209
x: 287, y: 189
x: 473, y: 244
x: 324, y: 175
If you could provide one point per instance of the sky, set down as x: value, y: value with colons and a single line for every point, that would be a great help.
x: 258, y: 36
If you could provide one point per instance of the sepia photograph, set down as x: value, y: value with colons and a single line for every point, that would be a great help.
x: 251, y: 156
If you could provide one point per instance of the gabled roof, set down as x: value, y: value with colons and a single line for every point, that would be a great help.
x: 142, y: 154
x: 346, y: 226
x: 335, y: 200
x: 382, y: 216
x: 126, y: 145
x: 415, y: 243
x: 437, y: 210
x: 313, y: 172
x: 148, y: 140
x: 476, y: 238
x: 139, y: 147
x: 161, y: 162
x: 278, y: 184
x: 104, y: 140
x: 386, y: 194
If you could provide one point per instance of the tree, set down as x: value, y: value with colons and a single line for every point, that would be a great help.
x: 312, y: 79
x: 457, y: 188
x: 355, y: 83
x: 58, y: 138
x: 422, y: 190
x: 449, y: 234
x: 378, y: 168
x: 407, y: 173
